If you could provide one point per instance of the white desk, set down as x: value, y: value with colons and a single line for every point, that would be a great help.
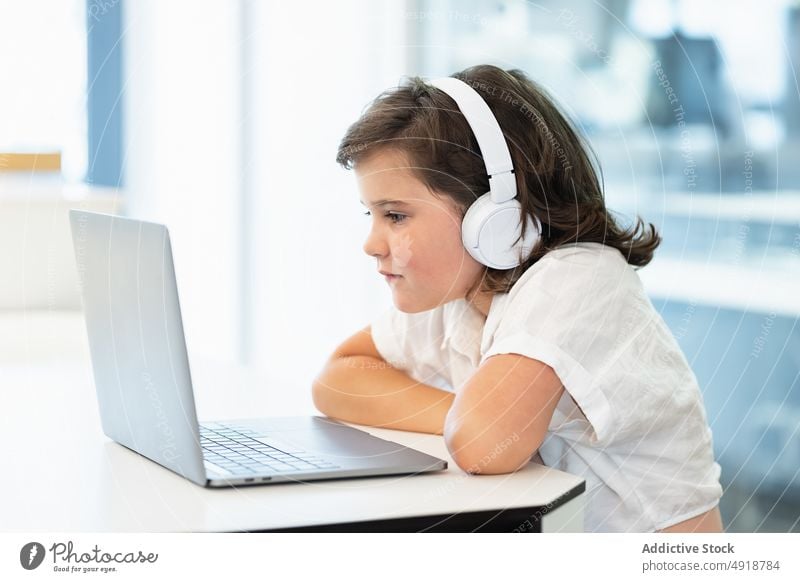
x: 62, y: 474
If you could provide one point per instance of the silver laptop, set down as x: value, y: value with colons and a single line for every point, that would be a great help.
x: 144, y: 388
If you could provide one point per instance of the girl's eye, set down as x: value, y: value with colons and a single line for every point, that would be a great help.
x: 393, y: 216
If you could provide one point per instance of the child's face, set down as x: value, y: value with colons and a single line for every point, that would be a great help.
x: 418, y: 237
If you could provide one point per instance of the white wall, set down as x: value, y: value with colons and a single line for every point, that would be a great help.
x: 316, y: 69
x: 182, y: 160
x: 234, y: 111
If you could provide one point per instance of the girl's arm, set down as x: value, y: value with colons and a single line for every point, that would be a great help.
x: 501, y: 414
x: 357, y: 385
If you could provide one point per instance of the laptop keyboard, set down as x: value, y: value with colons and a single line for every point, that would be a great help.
x: 241, y: 451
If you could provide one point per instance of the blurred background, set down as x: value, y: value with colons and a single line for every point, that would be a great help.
x: 221, y: 118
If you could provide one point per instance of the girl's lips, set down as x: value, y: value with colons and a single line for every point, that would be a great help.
x: 390, y: 278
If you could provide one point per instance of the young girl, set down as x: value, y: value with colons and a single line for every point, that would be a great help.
x: 562, y: 355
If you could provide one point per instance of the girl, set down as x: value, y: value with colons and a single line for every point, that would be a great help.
x: 563, y: 355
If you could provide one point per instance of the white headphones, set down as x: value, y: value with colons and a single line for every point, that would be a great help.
x: 492, y: 222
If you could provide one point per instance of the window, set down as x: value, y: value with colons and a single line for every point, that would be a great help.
x: 692, y: 111
x: 43, y: 74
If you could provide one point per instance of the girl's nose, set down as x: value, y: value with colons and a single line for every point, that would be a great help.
x: 375, y: 245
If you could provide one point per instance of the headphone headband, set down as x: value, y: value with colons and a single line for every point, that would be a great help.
x: 494, y: 150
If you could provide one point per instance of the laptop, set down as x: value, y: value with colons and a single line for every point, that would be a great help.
x: 144, y: 388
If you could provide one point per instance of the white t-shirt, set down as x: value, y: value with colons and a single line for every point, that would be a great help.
x: 631, y: 421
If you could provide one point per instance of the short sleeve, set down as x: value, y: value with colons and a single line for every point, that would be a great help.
x: 387, y: 330
x: 412, y: 342
x: 631, y: 420
x: 567, y: 316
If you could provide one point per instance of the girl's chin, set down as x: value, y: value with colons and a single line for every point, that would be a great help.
x: 408, y: 304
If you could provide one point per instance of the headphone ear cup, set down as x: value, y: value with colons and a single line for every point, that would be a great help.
x: 488, y: 232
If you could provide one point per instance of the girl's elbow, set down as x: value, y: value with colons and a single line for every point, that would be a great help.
x: 475, y: 459
x: 486, y: 464
x: 489, y: 464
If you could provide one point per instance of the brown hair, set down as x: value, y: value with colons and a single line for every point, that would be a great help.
x: 556, y: 180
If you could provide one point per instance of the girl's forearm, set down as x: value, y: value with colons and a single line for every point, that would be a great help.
x: 369, y: 391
